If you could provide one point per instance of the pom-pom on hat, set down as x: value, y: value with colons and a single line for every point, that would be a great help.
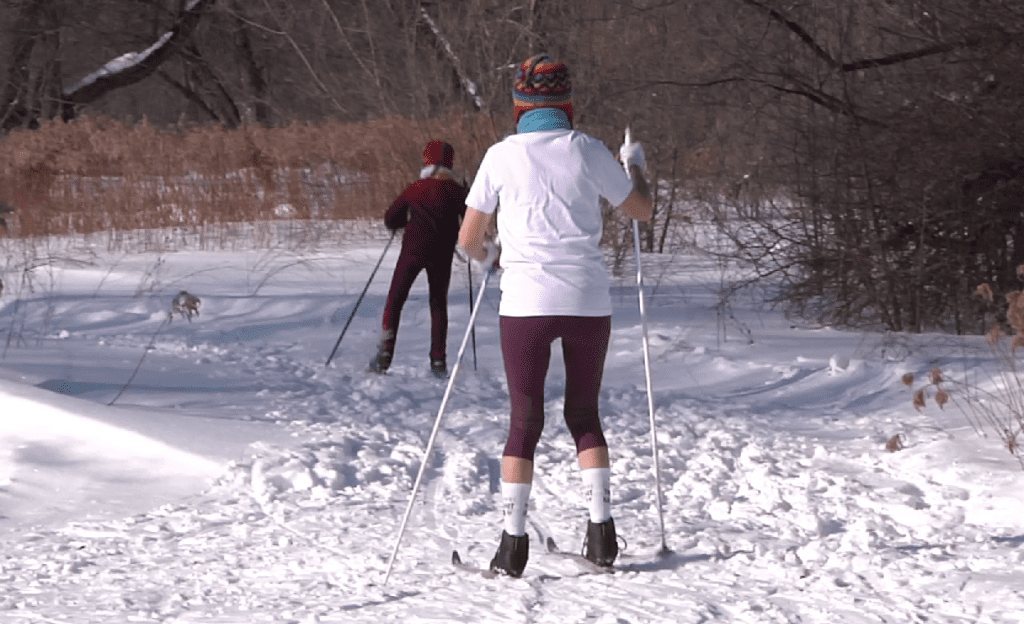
x: 439, y: 153
x: 542, y: 82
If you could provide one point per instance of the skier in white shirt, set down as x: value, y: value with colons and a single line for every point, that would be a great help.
x: 548, y: 180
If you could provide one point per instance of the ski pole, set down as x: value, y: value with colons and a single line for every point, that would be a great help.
x: 360, y: 300
x: 650, y: 393
x: 469, y: 268
x: 647, y: 369
x: 437, y: 426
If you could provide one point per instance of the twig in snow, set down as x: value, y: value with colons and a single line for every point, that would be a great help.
x: 184, y: 304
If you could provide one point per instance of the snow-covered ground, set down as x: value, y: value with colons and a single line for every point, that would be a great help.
x: 239, y: 480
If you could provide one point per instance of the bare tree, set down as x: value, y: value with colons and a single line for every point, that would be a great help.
x: 902, y: 161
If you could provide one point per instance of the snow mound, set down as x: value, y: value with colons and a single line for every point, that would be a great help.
x: 46, y: 449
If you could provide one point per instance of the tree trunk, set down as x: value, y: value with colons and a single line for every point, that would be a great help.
x: 254, y: 72
x: 15, y: 105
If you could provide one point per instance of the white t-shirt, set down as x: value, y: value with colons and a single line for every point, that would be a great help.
x: 548, y: 184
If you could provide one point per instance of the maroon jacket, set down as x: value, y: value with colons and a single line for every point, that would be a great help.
x: 430, y: 210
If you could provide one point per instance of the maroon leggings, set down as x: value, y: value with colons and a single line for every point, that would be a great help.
x: 439, y: 274
x: 526, y: 348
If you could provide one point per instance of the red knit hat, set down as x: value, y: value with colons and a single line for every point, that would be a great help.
x: 542, y: 82
x: 439, y: 153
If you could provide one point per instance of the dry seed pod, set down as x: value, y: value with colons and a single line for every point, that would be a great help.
x: 1015, y: 313
x: 919, y: 399
x: 895, y: 443
x: 994, y: 335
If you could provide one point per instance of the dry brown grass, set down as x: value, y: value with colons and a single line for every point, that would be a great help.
x: 96, y: 175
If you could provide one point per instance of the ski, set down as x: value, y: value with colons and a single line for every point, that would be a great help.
x: 465, y: 567
x: 576, y: 558
x: 663, y: 560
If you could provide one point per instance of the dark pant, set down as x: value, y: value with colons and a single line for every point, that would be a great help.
x: 439, y: 274
x: 526, y: 348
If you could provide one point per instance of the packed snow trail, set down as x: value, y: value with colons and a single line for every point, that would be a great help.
x: 781, y: 501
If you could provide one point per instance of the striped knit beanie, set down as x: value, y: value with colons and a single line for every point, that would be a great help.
x: 542, y: 82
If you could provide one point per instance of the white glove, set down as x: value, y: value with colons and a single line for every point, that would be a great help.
x: 493, y: 254
x: 633, y: 154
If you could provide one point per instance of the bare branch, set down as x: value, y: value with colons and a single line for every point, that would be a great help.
x: 892, y: 59
x: 305, y: 61
x: 798, y: 30
x: 134, y: 67
x: 373, y: 73
x: 188, y: 94
x: 903, y: 57
x: 467, y: 84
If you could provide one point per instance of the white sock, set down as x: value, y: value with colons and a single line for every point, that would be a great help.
x: 597, y: 492
x: 514, y: 500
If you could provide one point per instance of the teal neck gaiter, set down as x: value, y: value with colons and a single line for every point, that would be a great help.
x: 540, y: 119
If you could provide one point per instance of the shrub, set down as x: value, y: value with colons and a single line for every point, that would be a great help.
x: 996, y: 404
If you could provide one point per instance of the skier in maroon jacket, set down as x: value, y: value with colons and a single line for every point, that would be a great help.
x: 431, y: 210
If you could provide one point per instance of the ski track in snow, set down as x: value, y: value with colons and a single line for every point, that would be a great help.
x: 781, y: 503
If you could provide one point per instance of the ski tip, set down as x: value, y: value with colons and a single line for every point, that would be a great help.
x: 627, y: 139
x: 456, y: 559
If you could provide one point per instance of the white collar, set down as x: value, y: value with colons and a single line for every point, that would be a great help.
x: 430, y: 170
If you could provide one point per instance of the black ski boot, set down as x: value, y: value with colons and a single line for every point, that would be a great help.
x: 385, y: 349
x: 439, y: 367
x: 512, y: 555
x: 600, y: 545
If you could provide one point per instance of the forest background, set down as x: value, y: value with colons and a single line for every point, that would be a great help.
x: 863, y: 157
